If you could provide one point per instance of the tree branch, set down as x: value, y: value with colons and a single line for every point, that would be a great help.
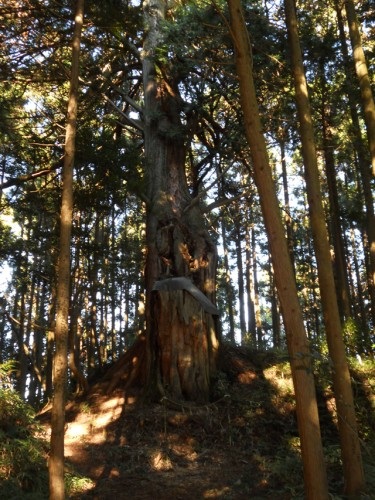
x: 18, y: 181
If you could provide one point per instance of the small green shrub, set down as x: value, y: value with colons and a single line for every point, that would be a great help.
x: 23, y: 468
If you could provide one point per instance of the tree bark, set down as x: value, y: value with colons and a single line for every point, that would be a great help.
x: 250, y: 282
x: 363, y: 77
x: 350, y: 445
x: 56, y: 459
x: 300, y: 358
x: 287, y: 217
x: 365, y: 172
x: 241, y: 284
x: 178, y: 243
x: 229, y: 295
x: 341, y: 275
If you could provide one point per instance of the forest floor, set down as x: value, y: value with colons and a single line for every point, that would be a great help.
x: 243, y: 445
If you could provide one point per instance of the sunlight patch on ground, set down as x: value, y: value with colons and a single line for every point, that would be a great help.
x: 279, y: 376
x: 216, y: 492
x: 160, y: 461
x: 111, y: 410
x: 185, y: 452
x: 76, y: 430
x: 89, y: 423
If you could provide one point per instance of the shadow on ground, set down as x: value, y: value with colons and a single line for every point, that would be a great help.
x: 242, y: 445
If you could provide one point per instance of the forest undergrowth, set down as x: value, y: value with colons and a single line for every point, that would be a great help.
x: 243, y: 445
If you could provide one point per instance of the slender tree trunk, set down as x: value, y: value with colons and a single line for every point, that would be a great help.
x: 113, y: 291
x: 56, y: 459
x: 50, y: 345
x: 229, y: 295
x: 342, y: 282
x: 274, y: 308
x: 300, y: 357
x: 257, y: 312
x: 359, y: 294
x: 241, y: 286
x: 20, y: 329
x: 251, y: 326
x: 350, y: 445
x: 287, y: 216
x: 74, y: 345
x: 369, y: 115
x: 363, y: 77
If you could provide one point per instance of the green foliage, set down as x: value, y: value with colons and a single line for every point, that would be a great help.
x: 76, y: 484
x: 351, y: 335
x: 23, y: 469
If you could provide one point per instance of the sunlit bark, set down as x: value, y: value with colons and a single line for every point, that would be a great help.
x: 56, y: 459
x: 350, y: 445
x: 300, y: 357
x: 363, y: 77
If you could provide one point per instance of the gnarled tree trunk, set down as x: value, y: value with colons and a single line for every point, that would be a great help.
x: 181, y: 337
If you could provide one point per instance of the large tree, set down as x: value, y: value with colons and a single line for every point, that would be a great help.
x: 181, y: 257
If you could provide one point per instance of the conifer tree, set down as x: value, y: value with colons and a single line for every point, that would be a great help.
x: 307, y: 411
x: 56, y: 459
x: 350, y: 445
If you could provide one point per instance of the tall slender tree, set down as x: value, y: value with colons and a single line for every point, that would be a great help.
x: 364, y: 80
x: 350, y: 445
x: 368, y: 107
x: 316, y: 486
x: 56, y: 459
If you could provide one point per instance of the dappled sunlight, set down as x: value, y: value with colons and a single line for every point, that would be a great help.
x: 217, y: 492
x: 243, y: 445
x: 90, y: 425
x: 160, y: 461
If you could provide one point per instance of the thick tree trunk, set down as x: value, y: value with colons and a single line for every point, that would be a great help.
x: 178, y: 244
x: 300, y: 358
x: 186, y: 353
x: 56, y: 459
x: 350, y: 445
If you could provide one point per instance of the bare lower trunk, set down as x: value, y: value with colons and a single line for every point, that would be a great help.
x: 186, y: 346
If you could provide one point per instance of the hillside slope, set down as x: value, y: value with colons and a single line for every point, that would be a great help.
x: 242, y: 445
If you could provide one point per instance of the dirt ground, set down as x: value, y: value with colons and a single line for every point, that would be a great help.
x: 240, y: 446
